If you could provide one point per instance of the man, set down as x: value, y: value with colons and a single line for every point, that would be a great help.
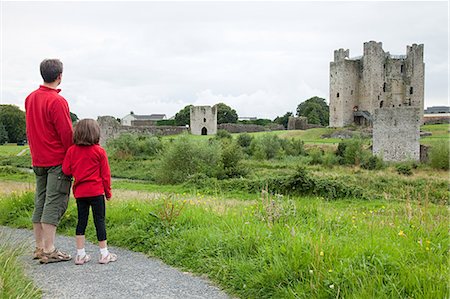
x: 49, y: 132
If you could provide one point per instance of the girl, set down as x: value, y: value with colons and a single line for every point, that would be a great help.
x: 87, y: 162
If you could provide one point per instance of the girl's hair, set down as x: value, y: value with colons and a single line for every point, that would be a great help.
x: 87, y: 132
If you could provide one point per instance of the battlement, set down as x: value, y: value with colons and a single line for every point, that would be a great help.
x: 341, y: 54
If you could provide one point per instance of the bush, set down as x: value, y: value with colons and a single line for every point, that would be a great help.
x: 231, y: 159
x: 293, y: 147
x: 223, y: 134
x: 128, y: 146
x: 268, y: 146
x: 404, y: 168
x: 185, y: 157
x: 439, y: 155
x: 352, y: 152
x: 372, y: 163
x: 244, y: 140
x: 316, y: 155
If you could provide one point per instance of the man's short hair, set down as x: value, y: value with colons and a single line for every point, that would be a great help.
x: 51, y: 69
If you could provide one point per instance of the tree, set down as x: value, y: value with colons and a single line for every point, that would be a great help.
x: 225, y: 114
x: 3, y: 134
x: 283, y: 120
x: 316, y: 110
x: 73, y: 117
x: 13, y: 119
x: 183, y: 117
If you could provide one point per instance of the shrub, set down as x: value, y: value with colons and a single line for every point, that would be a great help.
x: 316, y: 155
x: 231, y: 156
x: 127, y: 146
x: 185, y: 157
x: 293, y: 147
x: 372, y: 163
x: 404, y: 168
x: 223, y: 134
x: 244, y: 140
x: 439, y: 155
x: 266, y: 147
x: 351, y: 151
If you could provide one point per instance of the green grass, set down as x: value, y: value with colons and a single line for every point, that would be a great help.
x: 283, y: 247
x: 440, y: 133
x: 13, y: 281
x: 12, y: 149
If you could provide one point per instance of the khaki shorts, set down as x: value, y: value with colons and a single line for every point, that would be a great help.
x: 52, y: 194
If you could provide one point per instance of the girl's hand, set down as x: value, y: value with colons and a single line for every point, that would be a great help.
x: 108, y: 198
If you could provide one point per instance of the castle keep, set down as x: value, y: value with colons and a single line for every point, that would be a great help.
x: 374, y: 80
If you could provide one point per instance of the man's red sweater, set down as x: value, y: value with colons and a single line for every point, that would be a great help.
x: 49, y: 128
x: 88, y: 164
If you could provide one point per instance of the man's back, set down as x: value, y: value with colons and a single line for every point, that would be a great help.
x: 49, y: 128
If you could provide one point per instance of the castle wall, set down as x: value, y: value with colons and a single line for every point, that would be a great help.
x: 110, y: 129
x: 416, y: 73
x: 396, y: 133
x: 344, y: 89
x: 377, y: 80
x: 372, y: 77
x: 203, y: 119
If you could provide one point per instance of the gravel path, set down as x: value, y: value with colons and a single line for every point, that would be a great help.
x: 133, y: 275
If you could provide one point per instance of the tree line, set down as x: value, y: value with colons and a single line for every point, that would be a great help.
x: 13, y: 129
x: 315, y: 109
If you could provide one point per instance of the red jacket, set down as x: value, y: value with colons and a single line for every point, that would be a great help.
x: 49, y: 128
x: 88, y: 164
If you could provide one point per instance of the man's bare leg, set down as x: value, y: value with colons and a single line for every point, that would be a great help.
x: 38, y: 235
x: 49, y: 232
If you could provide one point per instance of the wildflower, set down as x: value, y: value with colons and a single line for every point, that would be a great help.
x: 321, y: 253
x: 383, y: 207
x: 331, y: 286
x: 329, y: 271
x: 428, y: 242
x: 311, y: 272
x: 420, y: 242
x: 427, y: 248
x: 401, y: 234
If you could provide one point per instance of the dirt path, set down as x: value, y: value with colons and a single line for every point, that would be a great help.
x: 133, y: 275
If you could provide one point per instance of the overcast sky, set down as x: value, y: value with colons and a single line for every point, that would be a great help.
x: 261, y: 58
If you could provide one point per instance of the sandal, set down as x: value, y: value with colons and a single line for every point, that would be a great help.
x: 80, y: 260
x: 111, y: 257
x: 37, y: 253
x: 54, y: 257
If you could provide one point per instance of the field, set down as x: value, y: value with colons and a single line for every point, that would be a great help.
x: 285, y: 228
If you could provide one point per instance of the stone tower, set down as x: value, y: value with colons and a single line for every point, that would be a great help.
x: 374, y: 80
x: 203, y: 120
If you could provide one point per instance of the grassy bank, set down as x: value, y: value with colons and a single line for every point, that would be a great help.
x: 276, y: 247
x: 13, y: 281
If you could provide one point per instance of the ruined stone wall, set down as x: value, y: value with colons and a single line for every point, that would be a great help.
x: 203, y: 120
x: 396, y: 133
x: 242, y: 128
x: 300, y: 123
x: 110, y: 128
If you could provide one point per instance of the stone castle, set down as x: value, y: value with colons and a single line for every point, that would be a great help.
x: 374, y: 80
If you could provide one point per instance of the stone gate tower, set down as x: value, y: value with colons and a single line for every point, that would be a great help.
x: 203, y: 120
x: 374, y: 80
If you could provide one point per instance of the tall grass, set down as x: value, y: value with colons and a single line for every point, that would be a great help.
x: 278, y: 247
x: 13, y: 281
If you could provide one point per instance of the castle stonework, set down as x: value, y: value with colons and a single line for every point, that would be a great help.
x: 396, y: 133
x: 203, y: 120
x: 374, y: 80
